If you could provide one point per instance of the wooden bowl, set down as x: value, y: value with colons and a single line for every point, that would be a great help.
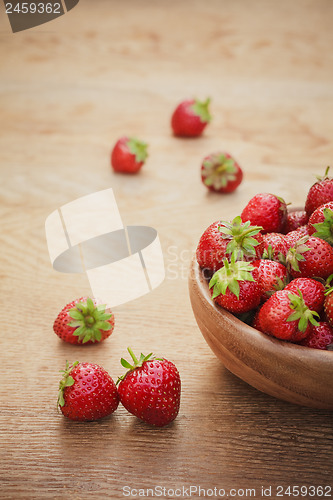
x: 294, y: 373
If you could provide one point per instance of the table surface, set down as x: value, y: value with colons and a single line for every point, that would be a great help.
x: 69, y: 90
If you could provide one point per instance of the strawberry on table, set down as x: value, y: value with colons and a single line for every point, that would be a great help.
x: 311, y: 257
x: 190, y: 118
x: 150, y: 389
x: 319, y: 193
x: 222, y: 238
x: 268, y: 211
x: 236, y: 286
x: 87, y: 392
x: 321, y: 222
x: 84, y: 321
x: 321, y: 337
x: 128, y: 155
x: 286, y: 316
x: 221, y: 173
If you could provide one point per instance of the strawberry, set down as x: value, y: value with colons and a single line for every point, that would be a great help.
x: 328, y: 302
x: 255, y: 322
x: 321, y: 337
x: 268, y: 211
x: 296, y: 219
x: 294, y: 236
x: 221, y: 173
x: 236, y: 286
x: 275, y: 247
x: 313, y: 292
x: 128, y: 155
x: 190, y: 118
x: 222, y: 238
x: 311, y: 257
x: 319, y: 193
x: 87, y: 392
x: 321, y: 222
x: 83, y: 321
x: 150, y: 389
x: 273, y: 276
x: 286, y: 316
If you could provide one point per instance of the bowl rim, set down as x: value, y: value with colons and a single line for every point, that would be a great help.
x: 267, y: 342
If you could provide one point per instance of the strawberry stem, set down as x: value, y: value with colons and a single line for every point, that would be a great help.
x: 89, y: 320
x: 66, y: 381
x: 133, y: 356
x: 137, y: 363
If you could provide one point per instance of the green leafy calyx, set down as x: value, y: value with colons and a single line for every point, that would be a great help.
x: 295, y: 254
x: 324, y: 229
x: 89, y: 321
x: 323, y: 177
x: 301, y: 311
x: 269, y: 254
x: 66, y: 381
x: 138, y: 148
x: 229, y: 276
x: 136, y: 363
x: 201, y: 109
x: 218, y: 170
x: 241, y: 236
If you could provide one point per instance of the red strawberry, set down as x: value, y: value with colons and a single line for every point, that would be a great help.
x: 236, y: 286
x: 255, y: 322
x: 190, y: 118
x: 222, y: 238
x: 312, y: 290
x: 311, y: 257
x: 221, y: 173
x: 128, y: 155
x: 268, y: 211
x: 321, y: 222
x: 328, y: 303
x: 87, y: 392
x: 286, y: 316
x: 294, y: 236
x: 150, y: 390
x: 275, y: 247
x: 296, y: 219
x: 321, y: 192
x: 83, y: 321
x: 273, y: 276
x: 321, y: 337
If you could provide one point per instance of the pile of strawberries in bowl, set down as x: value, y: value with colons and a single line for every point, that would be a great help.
x: 272, y: 267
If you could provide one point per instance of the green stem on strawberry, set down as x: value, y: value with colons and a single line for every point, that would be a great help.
x: 66, y: 381
x: 89, y: 320
x: 137, y: 363
x: 138, y: 149
x: 229, y: 275
x: 328, y: 285
x: 218, y: 170
x: 241, y: 236
x: 325, y: 176
x: 324, y: 229
x: 201, y: 109
x: 301, y: 312
x: 295, y: 254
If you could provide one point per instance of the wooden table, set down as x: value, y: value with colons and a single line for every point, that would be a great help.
x: 69, y: 89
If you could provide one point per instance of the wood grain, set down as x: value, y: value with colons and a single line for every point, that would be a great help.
x: 68, y: 91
